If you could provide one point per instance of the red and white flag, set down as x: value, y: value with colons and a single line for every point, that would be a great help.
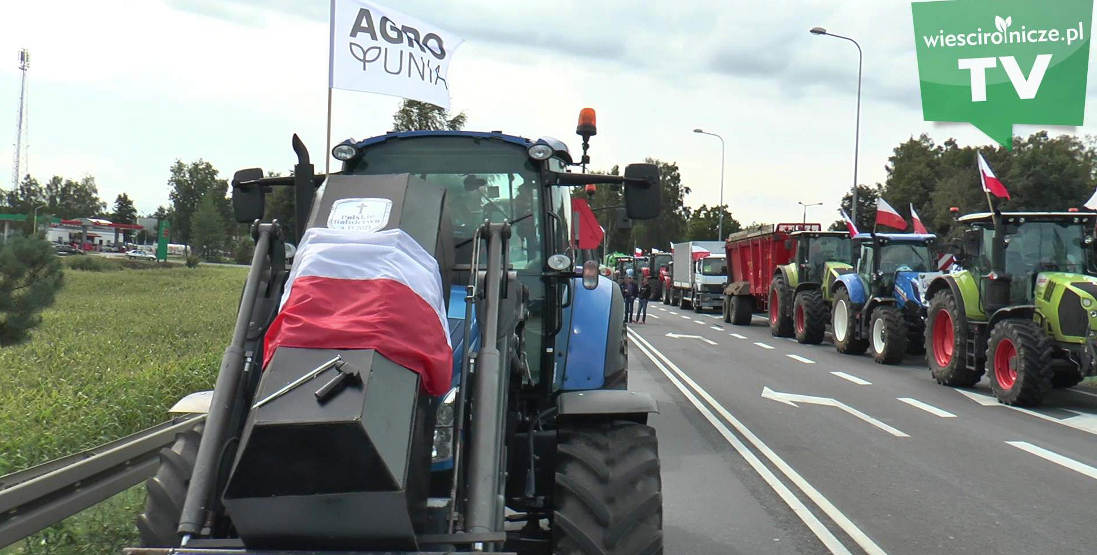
x: 638, y: 251
x: 918, y: 227
x: 698, y: 252
x: 590, y: 233
x: 849, y: 223
x: 358, y: 290
x: 991, y: 184
x: 886, y: 215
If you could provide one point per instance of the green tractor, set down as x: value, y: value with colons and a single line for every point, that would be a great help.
x: 1023, y: 309
x: 820, y: 257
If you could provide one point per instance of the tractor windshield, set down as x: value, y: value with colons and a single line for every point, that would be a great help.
x: 821, y: 250
x: 714, y: 267
x: 1044, y: 246
x: 904, y: 257
x: 484, y: 180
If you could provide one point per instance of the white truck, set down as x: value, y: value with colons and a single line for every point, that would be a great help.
x: 699, y: 275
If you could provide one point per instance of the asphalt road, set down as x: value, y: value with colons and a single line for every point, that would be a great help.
x: 769, y: 446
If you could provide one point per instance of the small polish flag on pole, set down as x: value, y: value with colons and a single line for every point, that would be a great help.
x: 886, y: 215
x: 990, y: 182
x: 849, y: 223
x: 918, y: 227
x: 638, y: 251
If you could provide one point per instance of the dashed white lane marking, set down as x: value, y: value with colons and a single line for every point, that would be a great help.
x: 801, y: 359
x: 698, y: 322
x: 825, y: 536
x: 852, y: 378
x: 1066, y: 462
x: 763, y: 345
x: 926, y: 407
x: 684, y: 317
x: 717, y: 328
x: 737, y: 336
x: 791, y: 339
x: 653, y: 316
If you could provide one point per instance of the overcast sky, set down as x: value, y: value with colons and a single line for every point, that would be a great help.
x: 120, y: 89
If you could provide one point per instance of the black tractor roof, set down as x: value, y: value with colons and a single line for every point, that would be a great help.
x: 1021, y: 217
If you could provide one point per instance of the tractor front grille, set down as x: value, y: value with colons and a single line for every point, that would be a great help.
x: 1072, y: 317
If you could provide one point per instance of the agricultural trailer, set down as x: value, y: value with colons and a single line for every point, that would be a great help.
x: 699, y: 274
x: 881, y: 306
x: 534, y: 444
x: 1023, y: 308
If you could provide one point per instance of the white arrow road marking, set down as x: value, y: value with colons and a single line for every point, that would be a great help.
x: 801, y: 359
x: 763, y: 345
x: 717, y: 328
x: 792, y: 399
x: 1056, y: 458
x: 851, y: 378
x: 677, y: 377
x: 1084, y: 422
x: 926, y: 407
x: 737, y: 336
x: 683, y: 336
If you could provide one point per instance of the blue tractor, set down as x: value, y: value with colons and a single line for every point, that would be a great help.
x: 537, y: 446
x: 880, y: 306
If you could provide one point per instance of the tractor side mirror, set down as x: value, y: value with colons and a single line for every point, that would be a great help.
x: 247, y: 200
x: 642, y: 192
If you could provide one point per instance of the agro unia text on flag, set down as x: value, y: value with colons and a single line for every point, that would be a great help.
x: 377, y: 49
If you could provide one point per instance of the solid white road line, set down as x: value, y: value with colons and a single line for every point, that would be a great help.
x: 926, y: 407
x: 717, y: 328
x: 763, y: 345
x: 852, y: 378
x: 828, y: 508
x: 737, y: 336
x: 801, y: 359
x: 1056, y: 458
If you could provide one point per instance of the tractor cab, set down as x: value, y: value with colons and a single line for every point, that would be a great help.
x: 814, y: 249
x: 888, y: 260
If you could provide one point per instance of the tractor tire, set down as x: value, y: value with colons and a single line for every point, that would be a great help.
x: 809, y: 317
x: 946, y: 343
x: 608, y: 492
x: 1019, y: 362
x: 727, y: 308
x: 780, y: 308
x: 888, y: 335
x: 666, y: 295
x: 844, y: 326
x: 742, y: 308
x: 167, y: 489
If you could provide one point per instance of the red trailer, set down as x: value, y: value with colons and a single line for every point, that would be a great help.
x: 753, y: 256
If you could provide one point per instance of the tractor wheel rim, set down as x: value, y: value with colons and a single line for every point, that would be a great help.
x: 878, y: 335
x: 773, y: 307
x: 944, y: 338
x: 841, y: 316
x: 799, y: 319
x: 1005, y: 363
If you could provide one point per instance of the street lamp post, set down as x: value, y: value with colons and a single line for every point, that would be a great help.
x: 857, y: 134
x: 806, y: 209
x: 720, y: 227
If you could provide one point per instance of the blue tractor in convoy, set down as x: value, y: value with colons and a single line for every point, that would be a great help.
x: 536, y: 447
x: 880, y: 306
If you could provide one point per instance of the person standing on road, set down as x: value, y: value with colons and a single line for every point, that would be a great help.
x: 629, y: 291
x: 645, y: 294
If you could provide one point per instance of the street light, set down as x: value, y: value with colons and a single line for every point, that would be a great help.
x: 720, y: 228
x: 35, y: 231
x: 857, y: 135
x: 806, y: 209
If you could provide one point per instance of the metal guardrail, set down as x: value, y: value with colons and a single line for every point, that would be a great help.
x: 40, y: 496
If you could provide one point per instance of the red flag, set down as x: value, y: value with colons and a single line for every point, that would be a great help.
x: 918, y: 227
x: 356, y: 290
x: 849, y: 223
x: 886, y: 215
x: 637, y: 251
x: 698, y: 252
x: 590, y: 233
x: 991, y: 184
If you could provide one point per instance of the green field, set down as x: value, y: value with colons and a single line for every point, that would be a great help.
x: 112, y: 354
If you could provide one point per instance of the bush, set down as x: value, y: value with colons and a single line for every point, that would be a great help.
x: 242, y: 250
x: 93, y: 264
x: 30, y: 276
x: 193, y: 261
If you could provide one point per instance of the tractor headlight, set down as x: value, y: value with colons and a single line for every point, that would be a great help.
x: 540, y: 152
x: 559, y: 262
x: 344, y: 152
x: 443, y: 428
x: 1087, y: 302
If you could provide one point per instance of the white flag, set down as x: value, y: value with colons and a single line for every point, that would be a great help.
x: 380, y: 50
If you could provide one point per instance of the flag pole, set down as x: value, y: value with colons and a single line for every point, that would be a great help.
x: 327, y: 150
x: 331, y: 82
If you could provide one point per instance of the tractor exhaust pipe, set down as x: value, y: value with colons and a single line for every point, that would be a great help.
x: 200, y: 493
x: 489, y: 386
